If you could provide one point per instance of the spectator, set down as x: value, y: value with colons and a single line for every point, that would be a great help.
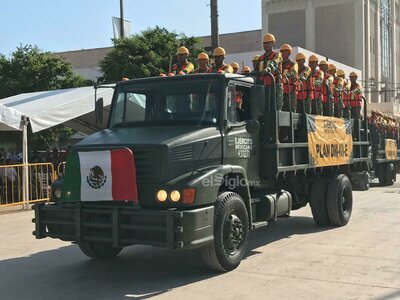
x: 55, y: 157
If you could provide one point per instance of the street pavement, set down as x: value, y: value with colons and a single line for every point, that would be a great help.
x: 290, y: 259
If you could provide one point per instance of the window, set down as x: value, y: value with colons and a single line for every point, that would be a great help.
x: 372, y: 46
x: 129, y: 107
x: 386, y: 40
x: 158, y: 102
x: 238, y: 104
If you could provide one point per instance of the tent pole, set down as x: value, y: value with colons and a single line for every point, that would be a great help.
x: 25, y: 179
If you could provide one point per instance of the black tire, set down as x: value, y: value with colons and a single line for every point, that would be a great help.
x: 339, y: 200
x: 99, y: 250
x: 381, y: 175
x: 318, y: 203
x: 364, y: 182
x: 227, y: 250
x: 390, y: 174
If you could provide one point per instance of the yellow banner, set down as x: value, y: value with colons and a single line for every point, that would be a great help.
x: 391, y: 149
x: 330, y: 141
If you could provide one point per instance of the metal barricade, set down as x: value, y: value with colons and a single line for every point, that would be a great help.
x: 40, y: 176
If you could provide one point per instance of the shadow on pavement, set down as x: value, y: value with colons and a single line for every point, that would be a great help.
x: 139, y: 272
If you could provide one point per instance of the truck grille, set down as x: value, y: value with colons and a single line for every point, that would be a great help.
x: 147, y: 162
x: 184, y: 152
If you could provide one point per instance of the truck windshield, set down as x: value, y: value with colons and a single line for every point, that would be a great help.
x: 182, y: 101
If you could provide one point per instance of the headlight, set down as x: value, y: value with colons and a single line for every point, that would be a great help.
x: 57, y: 193
x: 162, y: 195
x: 175, y: 196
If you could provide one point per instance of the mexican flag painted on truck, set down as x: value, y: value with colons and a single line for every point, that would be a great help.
x: 100, y: 176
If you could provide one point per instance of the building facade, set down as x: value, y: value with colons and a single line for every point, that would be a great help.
x: 364, y: 34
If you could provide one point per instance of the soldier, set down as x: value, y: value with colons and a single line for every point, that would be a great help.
x: 332, y: 70
x: 337, y: 88
x: 327, y: 95
x: 202, y: 61
x: 219, y: 66
x: 246, y: 70
x: 289, y: 79
x: 355, y: 96
x: 316, y: 81
x: 271, y: 62
x: 183, y: 66
x: 255, y: 63
x: 235, y: 67
x: 303, y: 86
x: 346, y: 88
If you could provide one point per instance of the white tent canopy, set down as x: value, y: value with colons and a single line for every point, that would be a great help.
x: 51, y: 108
x: 43, y: 110
x: 10, y: 119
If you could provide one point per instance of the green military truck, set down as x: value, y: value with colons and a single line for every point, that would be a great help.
x: 196, y: 162
x: 385, y: 152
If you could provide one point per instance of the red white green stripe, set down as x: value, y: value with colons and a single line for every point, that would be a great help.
x: 100, y: 176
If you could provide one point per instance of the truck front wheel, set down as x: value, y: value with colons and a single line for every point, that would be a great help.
x: 99, y: 250
x: 339, y: 200
x: 231, y: 232
x: 318, y: 203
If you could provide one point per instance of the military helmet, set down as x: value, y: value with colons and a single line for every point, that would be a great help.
x: 353, y: 74
x: 182, y: 50
x: 203, y: 55
x: 219, y: 51
x: 300, y: 56
x: 286, y: 47
x: 340, y: 72
x: 269, y: 37
x: 313, y: 58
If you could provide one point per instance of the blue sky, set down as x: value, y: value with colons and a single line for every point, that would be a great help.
x: 63, y: 25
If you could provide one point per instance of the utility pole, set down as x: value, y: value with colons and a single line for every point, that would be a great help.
x: 121, y: 10
x: 214, y: 24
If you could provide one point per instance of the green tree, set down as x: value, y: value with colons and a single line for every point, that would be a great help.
x: 146, y: 54
x: 29, y: 69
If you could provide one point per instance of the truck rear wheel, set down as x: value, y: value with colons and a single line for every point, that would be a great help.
x: 231, y: 233
x: 390, y: 174
x: 318, y: 203
x: 339, y: 200
x: 99, y: 250
x: 364, y: 182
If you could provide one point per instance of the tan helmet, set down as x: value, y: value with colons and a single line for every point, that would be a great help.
x: 353, y: 74
x: 340, y: 72
x: 182, y: 50
x: 269, y: 37
x: 300, y: 56
x: 246, y: 69
x: 323, y: 63
x: 313, y: 58
x: 235, y: 65
x: 219, y: 51
x: 256, y: 57
x: 331, y: 67
x: 203, y: 55
x: 286, y: 47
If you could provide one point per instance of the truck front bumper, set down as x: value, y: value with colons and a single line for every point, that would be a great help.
x: 125, y: 225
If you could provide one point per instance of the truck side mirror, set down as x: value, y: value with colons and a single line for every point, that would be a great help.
x: 257, y: 101
x: 99, y: 111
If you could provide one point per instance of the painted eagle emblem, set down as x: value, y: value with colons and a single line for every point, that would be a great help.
x: 96, y: 178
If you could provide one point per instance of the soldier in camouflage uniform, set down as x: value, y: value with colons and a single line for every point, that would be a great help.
x: 289, y: 79
x: 304, y: 87
x: 271, y: 62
